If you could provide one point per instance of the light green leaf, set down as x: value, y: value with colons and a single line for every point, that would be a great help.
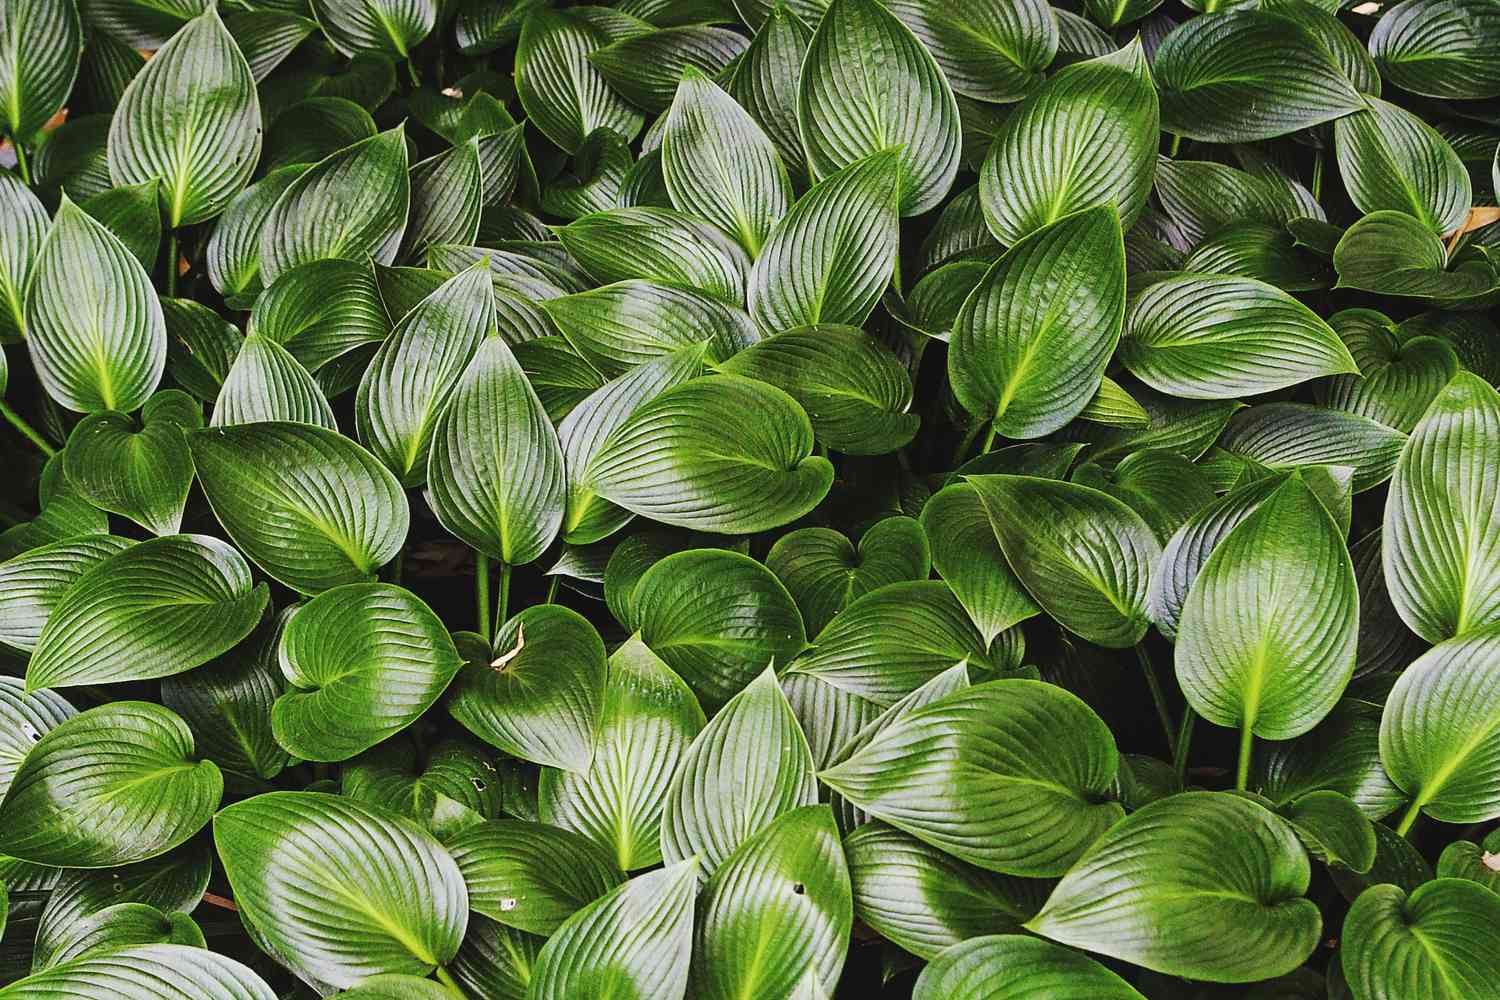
x: 446, y: 197
x: 33, y: 583
x: 779, y: 909
x: 1442, y: 516
x: 1391, y: 159
x: 1085, y: 138
x: 824, y: 571
x: 1248, y: 75
x: 385, y: 27
x: 993, y: 50
x: 1434, y: 942
x: 634, y: 942
x: 144, y: 972
x: 1288, y: 435
x: 121, y: 926
x: 364, y: 661
x: 1012, y: 966
x: 541, y: 694
x: 832, y: 256
x: 232, y: 255
x: 152, y: 610
x: 133, y: 790
x: 869, y: 85
x: 717, y: 618
x: 1206, y: 885
x: 23, y: 227
x: 397, y: 987
x: 1439, y: 48
x: 339, y: 890
x: 267, y: 383
x: 531, y: 876
x: 191, y: 120
x: 660, y: 245
x: 1030, y: 344
x: 649, y: 717
x: 311, y: 508
x: 40, y: 45
x: 967, y: 555
x: 1085, y: 557
x: 623, y: 325
x: 1468, y: 860
x: 93, y: 322
x: 351, y: 204
x: 749, y: 765
x: 562, y: 92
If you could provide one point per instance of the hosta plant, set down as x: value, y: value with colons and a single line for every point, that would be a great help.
x: 756, y: 499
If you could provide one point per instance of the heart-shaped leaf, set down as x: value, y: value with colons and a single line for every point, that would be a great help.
x: 1028, y: 748
x: 1333, y: 829
x: 134, y: 790
x: 1200, y: 884
x: 1341, y: 755
x: 1391, y: 159
x: 717, y: 618
x: 832, y: 256
x: 311, y: 508
x: 648, y: 719
x: 93, y: 322
x: 364, y: 661
x: 39, y: 54
x: 1438, y: 48
x: 495, y: 474
x: 1393, y: 253
x: 636, y: 941
x: 541, y: 694
x: 1085, y: 138
x: 387, y: 27
x: 152, y: 610
x: 339, y: 889
x: 824, y: 571
x: 191, y: 120
x: 749, y: 765
x: 1087, y: 562
x: 1431, y: 942
x: 447, y: 789
x: 728, y: 454
x: 143, y: 474
x: 563, y: 93
x: 1442, y: 517
x: 778, y: 909
x: 531, y: 876
x: 1401, y: 374
x: 121, y: 926
x: 33, y: 583
x: 1030, y: 344
x: 1013, y: 965
x: 149, y: 972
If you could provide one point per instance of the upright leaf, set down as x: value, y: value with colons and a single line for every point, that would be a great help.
x: 267, y: 383
x: 23, y: 227
x: 40, y: 45
x: 385, y: 27
x: 563, y: 93
x: 446, y: 198
x: 967, y: 555
x: 1391, y: 159
x: 766, y: 78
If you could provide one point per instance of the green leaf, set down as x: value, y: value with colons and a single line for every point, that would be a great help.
x: 869, y: 85
x: 991, y: 50
x: 1267, y: 636
x: 718, y: 164
x: 660, y: 245
x: 1203, y: 197
x: 563, y: 93
x: 313, y: 128
x: 717, y: 618
x: 446, y: 197
x: 1085, y: 138
x: 1333, y: 828
x: 1012, y: 966
x: 540, y: 693
x: 351, y: 204
x: 25, y: 717
x: 1084, y: 557
x: 777, y: 910
x: 531, y: 876
x: 495, y: 960
x: 495, y: 474
x: 1467, y: 860
x: 232, y: 255
x: 1434, y: 942
x: 824, y: 571
x: 1206, y: 885
x: 634, y: 942
x: 267, y: 37
x: 450, y: 787
x: 311, y: 508
x: 127, y: 799
x: 40, y: 45
x: 1394, y: 254
x: 35, y: 582
x: 1223, y: 337
x: 1439, y: 48
x: 121, y: 926
x: 133, y: 213
x: 201, y: 346
x: 339, y: 890
x: 152, y: 610
x: 1401, y: 373
x: 597, y: 181
x: 143, y: 474
x: 414, y: 373
x: 749, y: 765
x: 967, y: 555
x: 23, y: 227
x: 144, y: 972
x: 1160, y: 485
x: 93, y: 322
x: 1031, y: 343
x: 766, y: 79
x: 1440, y: 734
x: 267, y: 383
x: 832, y: 256
x: 727, y: 454
x: 364, y: 661
x: 386, y: 27
x: 645, y: 66
x: 397, y: 987
x: 1391, y: 159
x: 1288, y: 435
x: 1248, y: 75
x: 648, y: 719
x: 191, y: 120
x: 1442, y: 516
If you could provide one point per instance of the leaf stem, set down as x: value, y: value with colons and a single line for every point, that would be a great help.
x: 1317, y: 177
x: 1247, y: 747
x: 393, y: 568
x: 171, y: 263
x: 1184, y: 743
x: 1176, y: 145
x: 21, y: 164
x: 502, y: 606
x: 1410, y: 819
x: 1158, y: 696
x: 989, y: 439
x: 552, y: 589
x: 482, y: 594
x: 446, y: 978
x: 968, y: 442
x: 26, y: 429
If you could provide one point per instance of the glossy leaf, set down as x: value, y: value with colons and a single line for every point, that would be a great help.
x: 530, y: 876
x: 661, y: 245
x: 1008, y: 967
x: 1438, y: 49
x: 147, y: 972
x: 1391, y: 159
x: 824, y: 571
x: 1429, y: 942
x: 39, y: 54
x: 387, y: 27
x: 564, y: 95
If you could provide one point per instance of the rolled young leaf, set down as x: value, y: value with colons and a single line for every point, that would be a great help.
x: 191, y: 120
x: 364, y: 661
x: 1035, y: 753
x: 134, y: 790
x: 1206, y: 885
x: 152, y: 610
x: 341, y: 890
x: 1008, y: 966
x: 1433, y: 942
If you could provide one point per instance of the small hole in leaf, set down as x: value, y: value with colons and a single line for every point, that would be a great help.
x: 479, y: 784
x: 799, y: 888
